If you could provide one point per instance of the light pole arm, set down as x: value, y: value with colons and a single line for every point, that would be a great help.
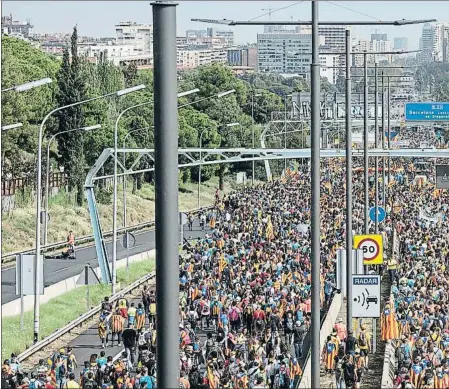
x: 197, y: 101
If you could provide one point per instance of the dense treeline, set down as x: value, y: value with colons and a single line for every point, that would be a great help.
x: 76, y: 79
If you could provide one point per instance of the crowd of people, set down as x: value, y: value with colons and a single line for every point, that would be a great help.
x: 417, y: 315
x: 245, y: 303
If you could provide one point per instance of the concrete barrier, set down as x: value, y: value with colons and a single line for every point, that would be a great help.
x: 389, y: 369
x: 326, y: 329
x: 13, y: 307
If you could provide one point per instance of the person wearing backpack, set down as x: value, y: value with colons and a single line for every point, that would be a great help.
x: 404, y: 354
x: 350, y: 343
x: 89, y: 382
x: 364, y: 343
x: 234, y: 317
x: 152, y: 308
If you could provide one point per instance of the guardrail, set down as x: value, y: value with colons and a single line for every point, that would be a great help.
x: 80, y: 320
x: 10, y: 257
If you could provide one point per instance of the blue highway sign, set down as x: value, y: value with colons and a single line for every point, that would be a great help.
x: 380, y: 214
x: 427, y: 111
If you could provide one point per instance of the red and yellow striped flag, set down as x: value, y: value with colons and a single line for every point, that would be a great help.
x: 222, y: 263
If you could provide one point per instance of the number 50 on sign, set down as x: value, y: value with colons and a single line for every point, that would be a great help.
x: 372, y: 248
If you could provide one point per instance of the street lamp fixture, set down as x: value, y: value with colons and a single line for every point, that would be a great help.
x: 11, y: 126
x: 218, y: 96
x: 233, y: 124
x: 29, y: 85
x: 130, y: 90
x: 189, y: 92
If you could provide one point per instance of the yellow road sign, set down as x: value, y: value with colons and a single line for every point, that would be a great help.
x: 372, y: 247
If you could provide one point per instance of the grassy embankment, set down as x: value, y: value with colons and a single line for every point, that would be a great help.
x: 18, y: 229
x: 63, y: 309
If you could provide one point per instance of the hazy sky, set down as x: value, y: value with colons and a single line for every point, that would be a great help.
x: 97, y: 18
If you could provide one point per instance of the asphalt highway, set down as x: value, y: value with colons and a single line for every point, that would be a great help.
x: 56, y: 270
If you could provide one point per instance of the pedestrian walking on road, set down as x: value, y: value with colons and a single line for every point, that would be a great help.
x: 129, y: 337
x: 117, y: 324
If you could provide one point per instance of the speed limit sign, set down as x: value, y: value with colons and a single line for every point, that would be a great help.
x: 372, y: 248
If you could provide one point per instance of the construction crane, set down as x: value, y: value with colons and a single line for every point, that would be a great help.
x: 270, y: 10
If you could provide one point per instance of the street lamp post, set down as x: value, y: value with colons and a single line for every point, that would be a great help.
x: 315, y: 197
x: 365, y: 143
x: 19, y: 88
x: 47, y: 184
x: 254, y: 145
x: 376, y: 145
x: 383, y: 142
x: 39, y: 197
x: 114, y: 206
x: 199, y: 166
x: 124, y: 176
x: 388, y: 132
x: 348, y: 98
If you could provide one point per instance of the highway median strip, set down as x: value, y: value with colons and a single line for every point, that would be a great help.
x: 63, y: 309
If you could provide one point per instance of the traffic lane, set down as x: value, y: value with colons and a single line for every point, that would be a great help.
x: 56, y: 270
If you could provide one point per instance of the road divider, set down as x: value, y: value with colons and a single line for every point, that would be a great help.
x: 12, y: 308
x: 83, y: 318
x: 326, y: 329
x: 11, y: 257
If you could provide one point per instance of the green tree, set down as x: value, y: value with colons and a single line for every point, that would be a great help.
x: 71, y: 90
x: 22, y: 63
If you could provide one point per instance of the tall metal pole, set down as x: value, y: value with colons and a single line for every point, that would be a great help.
x: 383, y: 140
x: 388, y: 132
x: 252, y: 116
x: 199, y: 171
x: 166, y: 179
x: 376, y: 145
x: 365, y: 142
x: 348, y: 183
x: 285, y: 131
x: 315, y: 197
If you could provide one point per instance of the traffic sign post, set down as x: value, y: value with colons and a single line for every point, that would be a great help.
x: 422, y: 112
x: 182, y: 223
x: 341, y: 268
x: 442, y: 176
x: 366, y: 296
x: 381, y: 214
x: 372, y: 248
x: 128, y: 242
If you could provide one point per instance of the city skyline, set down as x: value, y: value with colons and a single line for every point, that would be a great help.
x: 60, y: 17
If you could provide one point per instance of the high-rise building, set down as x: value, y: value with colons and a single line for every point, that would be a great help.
x: 290, y: 53
x: 432, y: 39
x: 378, y: 37
x: 401, y: 43
x: 284, y: 53
x: 140, y: 36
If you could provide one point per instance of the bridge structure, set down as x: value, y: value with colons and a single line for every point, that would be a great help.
x: 195, y: 156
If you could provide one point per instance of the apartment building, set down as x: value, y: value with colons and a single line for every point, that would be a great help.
x: 15, y: 27
x: 286, y: 53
